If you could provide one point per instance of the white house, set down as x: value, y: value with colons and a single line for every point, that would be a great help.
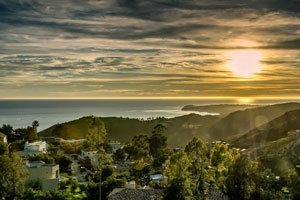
x: 46, y: 174
x: 35, y: 148
x: 3, y: 137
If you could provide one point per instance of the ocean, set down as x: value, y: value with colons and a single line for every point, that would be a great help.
x: 21, y: 113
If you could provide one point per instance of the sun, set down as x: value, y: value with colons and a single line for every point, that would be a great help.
x: 245, y: 100
x: 244, y: 63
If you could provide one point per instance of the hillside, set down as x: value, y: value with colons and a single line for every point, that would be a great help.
x: 240, y: 122
x: 272, y: 145
x: 179, y: 129
x: 222, y: 109
x: 272, y: 131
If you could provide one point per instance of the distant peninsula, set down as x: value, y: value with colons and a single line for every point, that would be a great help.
x: 222, y: 109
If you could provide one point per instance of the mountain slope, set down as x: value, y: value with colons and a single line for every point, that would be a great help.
x: 241, y: 122
x: 272, y: 131
x: 179, y: 129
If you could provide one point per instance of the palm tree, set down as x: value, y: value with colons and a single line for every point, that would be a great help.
x: 35, y: 124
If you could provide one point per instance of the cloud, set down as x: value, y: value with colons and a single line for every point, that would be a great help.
x: 163, y: 47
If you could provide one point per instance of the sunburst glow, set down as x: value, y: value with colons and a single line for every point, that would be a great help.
x: 244, y: 62
x: 245, y: 100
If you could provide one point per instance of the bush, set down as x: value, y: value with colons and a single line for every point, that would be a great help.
x: 43, y: 157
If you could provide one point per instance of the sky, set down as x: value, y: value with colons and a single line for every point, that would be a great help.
x: 149, y: 48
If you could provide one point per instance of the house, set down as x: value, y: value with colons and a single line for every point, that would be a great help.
x: 135, y: 194
x: 3, y: 137
x: 36, y: 148
x: 158, y: 177
x: 115, y: 146
x: 46, y: 174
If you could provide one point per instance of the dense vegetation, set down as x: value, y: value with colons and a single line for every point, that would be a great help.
x: 196, y: 170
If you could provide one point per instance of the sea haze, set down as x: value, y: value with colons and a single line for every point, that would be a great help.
x: 21, y: 113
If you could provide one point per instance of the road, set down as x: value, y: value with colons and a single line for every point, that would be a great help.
x: 76, y: 170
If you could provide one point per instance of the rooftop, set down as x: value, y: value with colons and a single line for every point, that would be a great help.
x: 36, y: 143
x: 135, y: 194
x: 37, y: 164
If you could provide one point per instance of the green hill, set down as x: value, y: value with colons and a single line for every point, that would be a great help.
x: 271, y: 144
x: 179, y: 129
x: 271, y: 131
x: 241, y: 122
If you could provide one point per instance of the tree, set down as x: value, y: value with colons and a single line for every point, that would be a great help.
x: 119, y: 155
x: 31, y: 134
x: 294, y: 183
x: 179, y: 182
x: 3, y: 148
x: 28, y: 134
x: 12, y: 175
x: 35, y: 124
x: 71, y: 148
x: 17, y: 145
x: 221, y: 158
x: 31, y: 194
x: 111, y: 183
x: 20, y: 133
x: 96, y: 139
x: 8, y: 131
x: 196, y: 152
x: 196, y: 149
x: 64, y: 163
x: 138, y: 148
x: 243, y: 179
x: 158, y: 148
x: 159, y: 129
x: 42, y: 157
x: 106, y: 172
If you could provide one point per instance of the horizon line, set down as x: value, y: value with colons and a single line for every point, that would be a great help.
x: 155, y: 98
